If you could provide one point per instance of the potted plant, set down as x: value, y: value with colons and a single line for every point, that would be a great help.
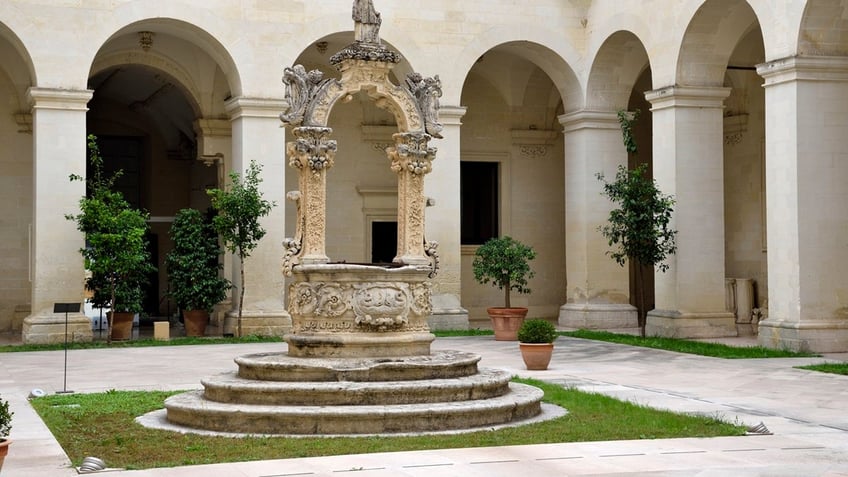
x: 536, y: 341
x: 503, y: 262
x: 194, y: 269
x: 116, y: 247
x: 5, y: 429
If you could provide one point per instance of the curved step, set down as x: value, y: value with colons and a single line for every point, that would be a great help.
x: 281, y: 367
x: 230, y: 388
x: 192, y: 410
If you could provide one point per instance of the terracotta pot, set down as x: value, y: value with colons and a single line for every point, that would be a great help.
x: 537, y: 356
x: 506, y: 321
x: 4, y: 449
x: 122, y: 325
x: 195, y: 322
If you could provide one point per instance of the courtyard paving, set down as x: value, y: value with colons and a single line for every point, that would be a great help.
x: 805, y: 411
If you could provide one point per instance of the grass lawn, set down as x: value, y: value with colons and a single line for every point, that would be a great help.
x: 140, y: 343
x: 102, y: 425
x: 715, y: 350
x: 833, y: 368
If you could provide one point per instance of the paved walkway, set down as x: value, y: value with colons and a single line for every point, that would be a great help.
x: 806, y: 412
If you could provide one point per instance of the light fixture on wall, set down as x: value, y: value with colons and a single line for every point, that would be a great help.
x: 145, y: 40
x: 321, y: 46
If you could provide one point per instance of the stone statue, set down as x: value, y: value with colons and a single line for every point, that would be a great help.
x: 366, y: 22
x: 427, y: 92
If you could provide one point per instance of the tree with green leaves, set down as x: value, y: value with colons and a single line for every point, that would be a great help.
x: 239, y: 207
x: 639, y: 229
x: 116, y: 251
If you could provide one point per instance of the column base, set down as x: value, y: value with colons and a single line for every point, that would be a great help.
x: 447, y: 313
x: 257, y: 323
x: 675, y: 324
x: 815, y: 336
x: 597, y: 316
x: 50, y: 329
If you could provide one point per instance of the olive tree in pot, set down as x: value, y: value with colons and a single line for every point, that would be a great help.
x: 116, y: 251
x: 5, y: 429
x: 503, y: 262
x: 536, y: 341
x: 194, y: 269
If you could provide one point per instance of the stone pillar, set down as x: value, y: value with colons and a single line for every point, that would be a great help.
x: 598, y: 288
x: 806, y: 175
x: 312, y: 154
x: 443, y: 224
x: 412, y: 159
x: 57, y: 270
x: 257, y: 136
x: 688, y: 164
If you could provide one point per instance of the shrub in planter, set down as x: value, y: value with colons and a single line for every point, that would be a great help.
x: 194, y: 267
x: 536, y: 339
x: 116, y: 247
x: 503, y: 262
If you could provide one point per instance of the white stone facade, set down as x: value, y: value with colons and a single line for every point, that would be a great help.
x: 744, y: 110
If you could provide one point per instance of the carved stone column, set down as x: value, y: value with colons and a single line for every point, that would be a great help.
x: 312, y: 154
x: 57, y: 271
x: 412, y: 159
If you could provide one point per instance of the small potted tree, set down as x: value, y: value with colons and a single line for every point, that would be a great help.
x: 116, y: 247
x: 503, y: 262
x: 536, y: 341
x: 5, y: 429
x: 194, y: 269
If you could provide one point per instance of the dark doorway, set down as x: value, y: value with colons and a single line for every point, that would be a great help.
x: 383, y: 242
x: 479, y: 201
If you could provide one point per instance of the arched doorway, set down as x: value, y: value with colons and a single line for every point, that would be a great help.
x: 158, y: 112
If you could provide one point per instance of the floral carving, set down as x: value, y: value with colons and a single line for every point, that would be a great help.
x: 312, y: 149
x: 412, y: 153
x: 301, y: 88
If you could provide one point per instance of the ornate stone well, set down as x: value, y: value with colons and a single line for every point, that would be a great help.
x: 359, y: 358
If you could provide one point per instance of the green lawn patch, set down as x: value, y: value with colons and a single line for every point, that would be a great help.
x: 714, y: 350
x: 102, y: 425
x: 455, y: 333
x: 833, y: 368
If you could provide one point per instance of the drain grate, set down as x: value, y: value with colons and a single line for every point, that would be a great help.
x: 759, y: 430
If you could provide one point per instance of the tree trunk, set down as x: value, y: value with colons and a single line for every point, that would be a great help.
x: 641, y: 311
x: 241, y: 295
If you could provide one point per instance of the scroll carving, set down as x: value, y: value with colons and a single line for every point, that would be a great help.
x: 427, y: 92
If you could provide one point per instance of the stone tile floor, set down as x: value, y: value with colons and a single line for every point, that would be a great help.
x: 805, y: 411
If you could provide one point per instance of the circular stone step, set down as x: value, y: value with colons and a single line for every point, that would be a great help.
x: 230, y: 388
x: 192, y: 410
x: 281, y: 367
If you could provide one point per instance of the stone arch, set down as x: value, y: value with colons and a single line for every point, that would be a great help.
x: 620, y: 61
x: 709, y: 40
x: 544, y: 48
x: 824, y: 28
x: 193, y: 35
x: 17, y: 64
x: 161, y: 63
